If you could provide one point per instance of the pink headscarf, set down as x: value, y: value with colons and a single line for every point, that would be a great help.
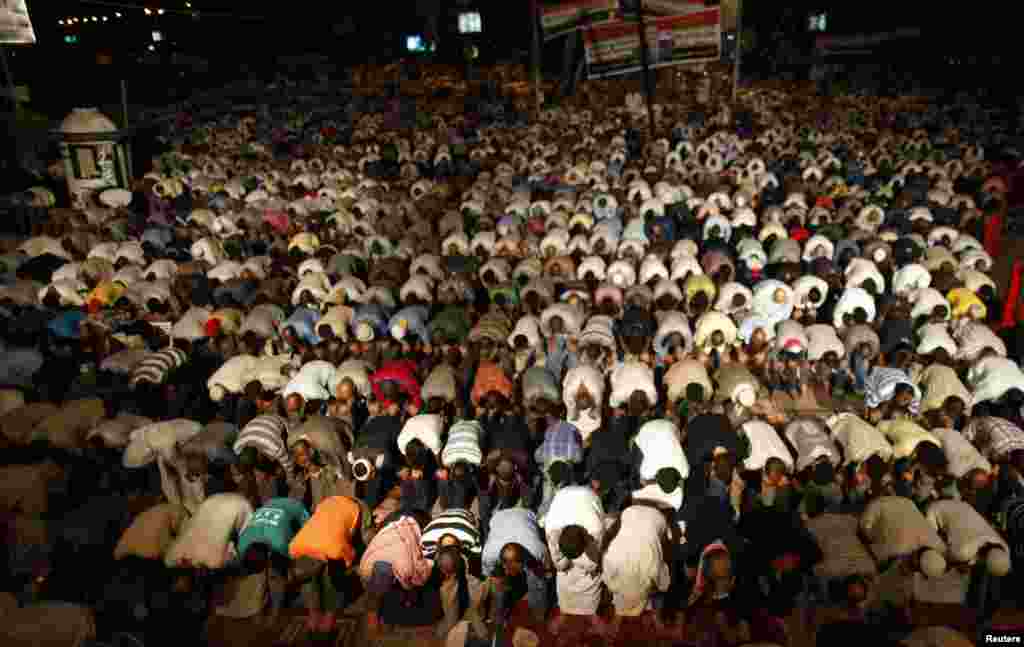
x: 701, y: 583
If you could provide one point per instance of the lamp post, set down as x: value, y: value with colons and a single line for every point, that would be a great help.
x: 535, y: 54
x: 636, y: 8
x: 739, y: 49
x: 8, y: 81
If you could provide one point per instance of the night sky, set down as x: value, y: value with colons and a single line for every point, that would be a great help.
x: 311, y: 23
x: 350, y: 32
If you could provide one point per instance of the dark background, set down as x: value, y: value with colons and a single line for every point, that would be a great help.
x: 229, y: 40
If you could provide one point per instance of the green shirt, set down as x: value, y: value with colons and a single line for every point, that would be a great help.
x: 274, y: 525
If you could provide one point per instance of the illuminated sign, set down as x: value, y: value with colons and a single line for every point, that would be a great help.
x: 470, y: 23
x: 415, y: 44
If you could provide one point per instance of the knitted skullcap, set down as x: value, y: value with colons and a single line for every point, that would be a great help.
x: 933, y: 564
x: 998, y: 561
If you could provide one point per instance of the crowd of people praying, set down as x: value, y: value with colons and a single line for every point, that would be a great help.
x: 523, y: 383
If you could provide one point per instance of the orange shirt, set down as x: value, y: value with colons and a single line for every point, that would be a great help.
x: 327, y: 536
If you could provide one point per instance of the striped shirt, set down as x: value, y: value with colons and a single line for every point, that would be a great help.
x: 463, y: 444
x: 461, y: 524
x: 267, y: 434
x: 994, y: 437
x: 156, y: 367
x: 881, y: 384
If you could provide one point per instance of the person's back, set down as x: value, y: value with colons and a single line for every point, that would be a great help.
x: 208, y: 538
x: 633, y: 563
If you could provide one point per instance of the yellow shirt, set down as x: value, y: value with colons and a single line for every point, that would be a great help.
x: 961, y: 300
x: 699, y: 283
x: 905, y: 435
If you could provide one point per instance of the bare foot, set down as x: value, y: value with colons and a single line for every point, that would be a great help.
x: 372, y: 624
x: 555, y: 625
x: 604, y: 629
x: 653, y: 624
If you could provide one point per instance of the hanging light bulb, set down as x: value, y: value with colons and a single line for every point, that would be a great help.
x: 117, y: 14
x: 160, y: 11
x: 148, y: 12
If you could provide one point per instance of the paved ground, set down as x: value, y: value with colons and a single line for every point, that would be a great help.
x: 223, y: 632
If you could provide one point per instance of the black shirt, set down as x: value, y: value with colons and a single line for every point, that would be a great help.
x: 380, y: 432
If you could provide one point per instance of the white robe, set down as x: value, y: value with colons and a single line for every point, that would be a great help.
x: 316, y: 380
x: 634, y: 565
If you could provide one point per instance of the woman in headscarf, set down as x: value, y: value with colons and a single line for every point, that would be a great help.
x: 715, y: 614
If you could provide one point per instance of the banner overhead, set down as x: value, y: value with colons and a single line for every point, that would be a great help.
x: 562, y: 18
x: 15, y: 25
x: 615, y: 48
x: 673, y: 7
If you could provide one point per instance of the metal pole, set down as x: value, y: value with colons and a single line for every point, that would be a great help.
x: 8, y: 80
x: 124, y: 121
x: 739, y: 49
x: 642, y: 29
x: 9, y: 113
x: 124, y: 103
x: 535, y: 54
x: 569, y: 56
x: 578, y: 76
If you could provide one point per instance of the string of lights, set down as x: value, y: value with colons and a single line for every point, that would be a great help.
x: 122, y: 9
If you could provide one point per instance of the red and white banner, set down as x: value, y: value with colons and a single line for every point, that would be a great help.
x: 559, y: 18
x: 615, y: 48
x: 673, y: 7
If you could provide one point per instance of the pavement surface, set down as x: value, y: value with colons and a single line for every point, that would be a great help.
x: 801, y: 627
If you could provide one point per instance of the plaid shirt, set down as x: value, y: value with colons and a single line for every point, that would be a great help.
x: 973, y: 337
x: 994, y: 437
x: 562, y: 442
